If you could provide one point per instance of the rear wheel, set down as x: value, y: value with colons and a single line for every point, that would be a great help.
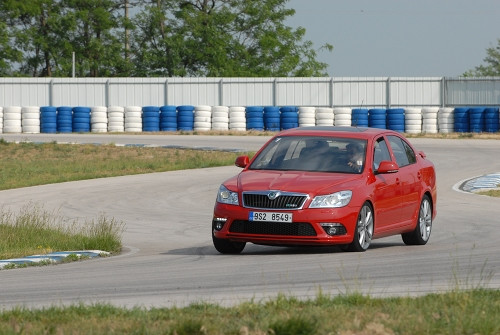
x: 364, y: 230
x: 227, y: 247
x: 422, y: 231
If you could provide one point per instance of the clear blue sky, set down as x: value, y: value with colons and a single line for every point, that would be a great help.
x: 399, y: 38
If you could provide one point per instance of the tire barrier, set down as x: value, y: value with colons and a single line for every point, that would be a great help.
x: 324, y: 117
x: 461, y: 120
x: 377, y: 118
x: 476, y: 119
x: 81, y: 119
x: 48, y: 119
x: 272, y: 118
x: 150, y: 118
x: 255, y: 118
x: 116, y: 119
x: 168, y: 118
x: 491, y: 120
x: 237, y: 119
x: 220, y: 118
x: 64, y: 119
x: 445, y: 120
x: 307, y: 116
x: 413, y: 120
x: 100, y: 119
x: 185, y: 118
x: 30, y: 119
x: 202, y: 118
x: 342, y: 117
x: 359, y: 117
x: 289, y: 117
x: 396, y: 119
x: 429, y: 120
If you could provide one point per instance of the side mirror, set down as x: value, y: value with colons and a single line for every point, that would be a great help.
x: 387, y: 167
x: 242, y: 161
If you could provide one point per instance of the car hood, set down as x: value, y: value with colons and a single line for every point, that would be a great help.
x: 292, y: 181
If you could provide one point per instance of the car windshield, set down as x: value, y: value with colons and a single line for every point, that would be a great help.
x: 308, y: 153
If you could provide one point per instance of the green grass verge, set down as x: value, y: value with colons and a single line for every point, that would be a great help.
x: 458, y: 312
x: 34, y: 231
x: 30, y: 164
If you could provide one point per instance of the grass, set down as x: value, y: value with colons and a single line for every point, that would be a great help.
x: 30, y: 164
x: 492, y: 193
x: 36, y: 231
x: 457, y: 312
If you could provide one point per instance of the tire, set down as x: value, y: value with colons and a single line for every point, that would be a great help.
x: 364, y: 230
x: 227, y: 247
x: 422, y: 231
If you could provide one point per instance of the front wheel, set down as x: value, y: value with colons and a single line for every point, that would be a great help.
x: 227, y: 247
x: 422, y: 231
x: 364, y: 230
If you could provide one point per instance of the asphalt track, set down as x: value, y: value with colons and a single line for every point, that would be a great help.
x: 169, y: 259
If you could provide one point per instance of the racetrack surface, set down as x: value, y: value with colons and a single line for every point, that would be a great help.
x: 169, y: 259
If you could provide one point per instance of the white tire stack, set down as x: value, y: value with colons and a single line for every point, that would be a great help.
x: 343, y: 117
x: 324, y: 116
x: 202, y: 118
x: 12, y: 119
x: 98, y: 119
x: 220, y: 118
x: 445, y: 120
x: 429, y: 120
x: 30, y: 119
x: 237, y: 119
x: 307, y: 116
x: 116, y: 119
x: 413, y: 120
x: 1, y: 120
x: 133, y: 119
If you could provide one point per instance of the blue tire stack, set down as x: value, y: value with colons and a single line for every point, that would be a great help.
x: 395, y: 119
x: 185, y: 117
x: 289, y: 117
x: 48, y: 119
x: 461, y: 120
x: 476, y: 119
x: 377, y: 118
x: 359, y: 117
x: 150, y: 118
x: 491, y: 120
x: 272, y: 120
x: 81, y: 119
x: 64, y: 119
x: 168, y: 118
x: 255, y: 117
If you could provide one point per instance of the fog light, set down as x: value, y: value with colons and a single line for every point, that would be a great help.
x: 218, y: 223
x: 333, y: 228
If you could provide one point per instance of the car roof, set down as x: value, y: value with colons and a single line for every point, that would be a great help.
x: 350, y: 132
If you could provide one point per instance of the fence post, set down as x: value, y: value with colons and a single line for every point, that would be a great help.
x: 388, y: 91
x: 165, y: 98
x: 106, y: 93
x: 51, y: 92
x: 443, y: 92
x: 331, y: 92
x: 221, y: 92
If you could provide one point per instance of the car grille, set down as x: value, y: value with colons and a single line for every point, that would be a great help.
x: 282, y: 201
x: 272, y: 228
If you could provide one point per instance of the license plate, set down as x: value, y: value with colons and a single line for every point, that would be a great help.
x: 270, y: 217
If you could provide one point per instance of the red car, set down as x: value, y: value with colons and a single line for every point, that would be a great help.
x: 321, y: 186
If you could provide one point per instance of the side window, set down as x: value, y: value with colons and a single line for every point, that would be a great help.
x: 380, y: 153
x: 402, y: 151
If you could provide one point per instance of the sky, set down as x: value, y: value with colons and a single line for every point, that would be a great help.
x: 399, y: 38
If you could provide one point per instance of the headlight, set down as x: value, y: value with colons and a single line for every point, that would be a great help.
x: 227, y: 197
x: 334, y: 200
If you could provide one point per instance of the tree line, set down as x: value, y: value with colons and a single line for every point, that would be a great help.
x: 154, y: 38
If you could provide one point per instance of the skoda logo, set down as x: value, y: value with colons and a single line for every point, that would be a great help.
x: 273, y: 195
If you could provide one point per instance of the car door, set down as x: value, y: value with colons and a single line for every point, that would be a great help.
x: 386, y: 192
x: 408, y: 176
